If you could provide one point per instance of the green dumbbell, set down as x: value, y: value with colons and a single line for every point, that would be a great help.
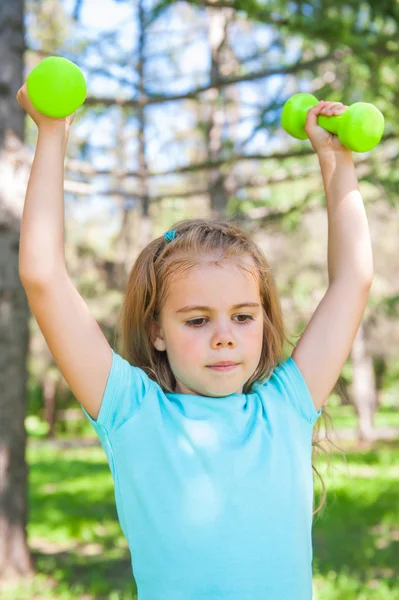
x: 359, y: 128
x: 56, y: 87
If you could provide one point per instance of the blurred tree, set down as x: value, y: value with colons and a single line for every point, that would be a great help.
x: 14, y: 310
x: 364, y: 393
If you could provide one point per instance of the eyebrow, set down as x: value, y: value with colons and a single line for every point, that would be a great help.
x: 208, y: 308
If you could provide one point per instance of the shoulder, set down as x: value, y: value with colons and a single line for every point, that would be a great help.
x: 125, y: 393
x: 287, y: 382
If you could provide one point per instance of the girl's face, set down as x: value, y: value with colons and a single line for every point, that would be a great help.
x: 196, y: 338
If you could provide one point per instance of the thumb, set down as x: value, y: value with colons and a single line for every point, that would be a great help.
x: 313, y: 113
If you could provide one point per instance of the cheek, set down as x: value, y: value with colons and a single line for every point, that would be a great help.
x: 187, y: 345
x: 254, y: 338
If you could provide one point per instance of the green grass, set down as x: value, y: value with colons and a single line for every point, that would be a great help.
x: 78, y: 547
x: 356, y: 538
x: 344, y: 417
x: 80, y: 552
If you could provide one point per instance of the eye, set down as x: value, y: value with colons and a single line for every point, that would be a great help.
x: 194, y: 322
x: 246, y: 317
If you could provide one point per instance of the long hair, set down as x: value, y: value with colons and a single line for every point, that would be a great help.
x: 151, y: 276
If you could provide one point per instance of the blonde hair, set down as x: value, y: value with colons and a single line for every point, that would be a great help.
x: 153, y: 272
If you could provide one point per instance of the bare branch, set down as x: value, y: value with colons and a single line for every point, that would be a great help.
x: 147, y: 99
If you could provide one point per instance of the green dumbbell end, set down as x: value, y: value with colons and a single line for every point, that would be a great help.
x: 56, y: 87
x: 293, y: 117
x: 361, y: 127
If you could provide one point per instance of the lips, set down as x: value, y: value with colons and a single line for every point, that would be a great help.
x: 225, y: 363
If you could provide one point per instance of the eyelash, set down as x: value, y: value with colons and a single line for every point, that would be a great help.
x: 190, y: 323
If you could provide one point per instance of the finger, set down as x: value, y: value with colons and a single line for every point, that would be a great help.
x: 331, y: 105
x: 22, y: 94
x: 333, y: 108
x: 22, y: 89
x: 313, y: 113
x: 19, y: 93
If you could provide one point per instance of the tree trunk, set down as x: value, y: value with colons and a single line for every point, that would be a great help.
x: 14, y: 340
x: 363, y: 386
x: 380, y: 368
x: 143, y: 179
x: 50, y: 401
x: 14, y: 309
x: 217, y: 35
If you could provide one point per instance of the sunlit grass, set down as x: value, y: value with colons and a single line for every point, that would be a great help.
x: 74, y: 534
x: 356, y: 538
x: 344, y: 417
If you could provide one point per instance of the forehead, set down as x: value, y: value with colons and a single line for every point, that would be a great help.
x: 215, y: 284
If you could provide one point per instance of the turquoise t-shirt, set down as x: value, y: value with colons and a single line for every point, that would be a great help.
x: 214, y: 495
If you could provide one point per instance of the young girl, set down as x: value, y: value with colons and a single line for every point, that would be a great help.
x: 207, y: 430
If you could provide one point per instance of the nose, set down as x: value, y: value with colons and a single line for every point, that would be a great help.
x: 223, y: 336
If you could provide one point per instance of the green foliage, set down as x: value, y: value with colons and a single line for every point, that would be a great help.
x: 390, y: 306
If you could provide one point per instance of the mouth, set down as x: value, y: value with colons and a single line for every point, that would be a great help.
x: 223, y: 367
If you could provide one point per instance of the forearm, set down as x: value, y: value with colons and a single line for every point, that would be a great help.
x: 41, y: 250
x: 349, y: 244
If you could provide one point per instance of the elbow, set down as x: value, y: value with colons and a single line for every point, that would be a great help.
x: 31, y: 280
x: 368, y: 280
x: 364, y: 285
x: 363, y: 274
x: 364, y: 281
x: 360, y: 282
x: 371, y: 281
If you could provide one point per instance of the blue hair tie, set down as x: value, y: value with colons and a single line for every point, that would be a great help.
x: 170, y: 235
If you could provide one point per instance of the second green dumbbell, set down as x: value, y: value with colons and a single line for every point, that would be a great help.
x: 359, y: 128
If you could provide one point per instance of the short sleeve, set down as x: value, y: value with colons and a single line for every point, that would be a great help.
x: 124, y: 394
x: 289, y: 379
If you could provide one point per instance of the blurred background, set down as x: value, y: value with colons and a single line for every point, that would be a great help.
x: 182, y: 120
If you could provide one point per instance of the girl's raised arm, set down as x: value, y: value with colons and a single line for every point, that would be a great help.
x: 74, y: 338
x: 327, y: 340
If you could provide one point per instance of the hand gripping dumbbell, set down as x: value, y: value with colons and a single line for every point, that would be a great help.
x: 56, y: 87
x: 359, y: 128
